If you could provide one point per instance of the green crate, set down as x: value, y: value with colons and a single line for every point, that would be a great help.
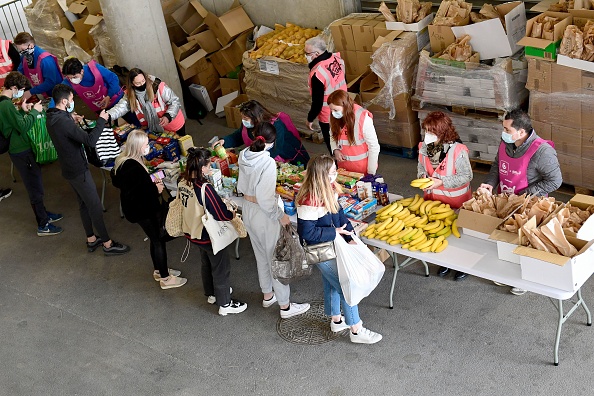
x: 548, y: 53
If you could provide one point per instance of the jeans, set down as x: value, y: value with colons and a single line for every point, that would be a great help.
x: 325, y: 127
x: 152, y: 229
x: 333, y: 296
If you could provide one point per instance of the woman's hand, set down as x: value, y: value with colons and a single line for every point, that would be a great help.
x: 436, y: 183
x: 163, y: 121
x: 338, y: 155
x: 343, y: 231
x: 487, y: 187
x: 220, y: 141
x: 160, y: 186
x: 285, y: 220
x: 104, y: 102
x: 352, y: 242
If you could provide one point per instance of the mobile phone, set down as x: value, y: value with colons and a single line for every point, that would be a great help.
x: 159, y: 175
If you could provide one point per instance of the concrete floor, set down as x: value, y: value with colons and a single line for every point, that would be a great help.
x: 75, y: 323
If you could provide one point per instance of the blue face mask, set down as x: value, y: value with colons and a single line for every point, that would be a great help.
x: 19, y: 94
x: 507, y: 138
x: 70, y: 107
x: 337, y: 114
x: 247, y: 124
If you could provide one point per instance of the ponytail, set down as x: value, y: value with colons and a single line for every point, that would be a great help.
x: 263, y: 133
x: 197, y: 158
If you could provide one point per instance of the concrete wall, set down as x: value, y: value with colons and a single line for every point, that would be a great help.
x: 306, y: 13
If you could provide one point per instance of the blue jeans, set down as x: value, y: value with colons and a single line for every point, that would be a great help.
x: 333, y: 296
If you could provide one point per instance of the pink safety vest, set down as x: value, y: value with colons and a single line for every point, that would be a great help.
x: 160, y: 108
x: 35, y: 75
x: 356, y: 155
x: 453, y: 196
x: 512, y: 171
x: 5, y: 61
x: 284, y: 117
x: 331, y: 73
x: 93, y: 95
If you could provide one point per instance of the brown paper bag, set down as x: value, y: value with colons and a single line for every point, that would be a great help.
x: 383, y: 8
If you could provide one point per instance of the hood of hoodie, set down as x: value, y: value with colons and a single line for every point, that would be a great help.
x: 55, y: 115
x: 251, y: 162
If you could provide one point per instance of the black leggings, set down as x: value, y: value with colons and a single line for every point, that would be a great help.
x: 152, y: 229
x: 325, y: 127
x: 216, y: 271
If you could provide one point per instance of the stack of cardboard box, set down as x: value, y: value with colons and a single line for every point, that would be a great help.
x: 562, y: 110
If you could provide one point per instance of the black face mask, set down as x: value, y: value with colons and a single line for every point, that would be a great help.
x: 142, y: 88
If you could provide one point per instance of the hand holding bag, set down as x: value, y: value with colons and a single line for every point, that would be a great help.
x: 289, y: 261
x: 221, y: 233
x: 359, y: 271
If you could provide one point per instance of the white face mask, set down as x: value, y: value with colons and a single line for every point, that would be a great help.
x: 309, y: 58
x: 337, y: 114
x: 430, y: 138
x: 146, y: 151
x: 19, y: 94
x: 332, y: 177
x: 247, y: 124
x: 70, y: 107
x: 76, y: 80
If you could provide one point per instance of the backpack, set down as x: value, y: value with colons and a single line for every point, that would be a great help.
x: 106, y: 149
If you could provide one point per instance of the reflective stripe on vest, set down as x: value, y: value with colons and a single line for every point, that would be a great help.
x: 160, y: 108
x: 446, y: 168
x: 5, y: 61
x: 94, y: 94
x: 331, y: 72
x: 359, y: 151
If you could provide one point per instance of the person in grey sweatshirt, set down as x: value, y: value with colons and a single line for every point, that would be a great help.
x: 263, y: 216
x: 525, y: 163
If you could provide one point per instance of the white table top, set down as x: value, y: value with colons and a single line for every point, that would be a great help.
x: 479, y: 258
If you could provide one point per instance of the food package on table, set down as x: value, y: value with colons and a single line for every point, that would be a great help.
x: 550, y: 237
x: 452, y: 13
x: 285, y: 42
x: 572, y: 218
x: 354, y: 175
x: 572, y: 44
x: 383, y: 8
x: 460, y: 50
x: 532, y: 207
x: 486, y: 13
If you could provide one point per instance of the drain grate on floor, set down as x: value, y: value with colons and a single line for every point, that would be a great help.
x: 310, y: 328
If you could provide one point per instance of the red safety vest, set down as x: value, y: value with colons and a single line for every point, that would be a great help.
x: 92, y: 95
x: 35, y: 75
x: 331, y: 73
x: 161, y: 107
x: 5, y: 61
x: 453, y: 196
x: 356, y: 156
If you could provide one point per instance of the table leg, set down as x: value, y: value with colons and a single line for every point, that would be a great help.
x: 426, y: 268
x: 558, y: 335
x: 588, y: 314
x: 237, y: 249
x: 103, y: 190
x: 395, y: 262
x: 563, y: 317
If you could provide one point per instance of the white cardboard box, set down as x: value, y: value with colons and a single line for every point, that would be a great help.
x: 575, y: 63
x: 506, y: 243
x: 411, y: 27
x: 222, y: 101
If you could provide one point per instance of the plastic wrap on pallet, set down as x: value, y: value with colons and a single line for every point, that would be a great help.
x: 104, y: 45
x: 73, y: 49
x: 43, y: 18
x: 471, y: 85
x: 573, y: 109
x: 394, y: 63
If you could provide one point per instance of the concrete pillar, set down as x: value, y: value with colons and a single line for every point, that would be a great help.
x: 139, y: 34
x: 306, y: 13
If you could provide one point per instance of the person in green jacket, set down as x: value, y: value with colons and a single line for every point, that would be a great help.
x: 14, y: 125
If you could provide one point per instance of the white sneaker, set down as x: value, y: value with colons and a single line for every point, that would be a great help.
x: 365, y: 336
x: 294, y: 310
x: 269, y: 303
x: 232, y: 308
x: 157, y: 274
x: 499, y: 284
x: 338, y: 327
x: 213, y: 299
x: 171, y: 282
x: 517, y: 291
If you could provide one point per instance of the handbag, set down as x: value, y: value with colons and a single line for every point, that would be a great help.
x: 221, y: 233
x: 175, y: 218
x: 289, y: 263
x: 320, y: 252
x: 41, y: 143
x: 237, y: 221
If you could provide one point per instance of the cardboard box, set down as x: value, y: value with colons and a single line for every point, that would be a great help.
x: 490, y: 38
x: 363, y: 34
x: 222, y: 102
x: 229, y: 85
x: 555, y: 270
x: 190, y: 16
x: 342, y: 34
x: 232, y: 113
x: 588, y: 144
x: 587, y: 174
x: 208, y: 78
x: 86, y: 7
x: 575, y: 63
x: 207, y: 41
x: 507, y: 242
x: 478, y: 225
x: 411, y: 27
x: 381, y: 30
x: 82, y: 34
x: 442, y: 36
x: 396, y: 134
x: 545, y: 130
x: 571, y: 169
x: 363, y: 60
x: 193, y: 64
x: 541, y: 48
x: 567, y: 141
x: 229, y: 25
x: 229, y: 57
x: 181, y: 50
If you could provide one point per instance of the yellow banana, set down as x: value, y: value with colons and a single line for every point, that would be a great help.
x: 431, y: 205
x: 447, y: 234
x: 406, y: 201
x: 384, y: 238
x: 455, y: 230
x: 424, y: 205
x: 443, y: 231
x: 382, y: 233
x: 439, y: 210
x: 385, y: 208
x: 407, y: 237
x: 425, y: 244
x: 393, y: 242
x: 426, y: 185
x: 402, y: 214
x: 384, y: 225
x: 424, y: 220
x: 415, y: 207
x: 441, y: 247
x: 415, y: 200
x: 436, y: 243
x: 409, y: 217
x: 431, y: 226
x: 395, y: 209
x: 426, y: 249
x: 406, y: 246
x: 394, y: 224
x: 447, y: 221
x: 418, y: 240
x: 413, y: 248
x: 417, y: 182
x: 441, y: 227
x: 444, y: 215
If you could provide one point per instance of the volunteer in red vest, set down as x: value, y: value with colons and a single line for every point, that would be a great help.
x: 353, y: 141
x: 287, y: 146
x: 156, y: 106
x: 444, y: 159
x: 9, y: 59
x: 525, y: 163
x: 327, y: 74
x: 38, y: 65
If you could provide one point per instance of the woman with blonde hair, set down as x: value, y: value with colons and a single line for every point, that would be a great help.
x: 156, y: 106
x: 353, y: 139
x: 140, y: 199
x: 320, y: 219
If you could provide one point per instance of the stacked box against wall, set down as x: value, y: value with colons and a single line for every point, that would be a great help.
x: 562, y: 110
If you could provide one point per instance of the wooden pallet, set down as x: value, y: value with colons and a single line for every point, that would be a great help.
x: 480, y: 165
x: 403, y: 152
x: 418, y: 105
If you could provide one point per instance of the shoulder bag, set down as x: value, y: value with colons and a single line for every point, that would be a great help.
x: 221, y: 233
x: 175, y: 218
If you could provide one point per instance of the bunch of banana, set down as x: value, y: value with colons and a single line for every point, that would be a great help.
x: 422, y: 183
x: 441, y: 213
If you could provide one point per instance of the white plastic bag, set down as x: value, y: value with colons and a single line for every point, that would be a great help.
x: 359, y: 271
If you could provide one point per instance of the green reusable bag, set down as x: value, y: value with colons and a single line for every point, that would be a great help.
x: 41, y: 143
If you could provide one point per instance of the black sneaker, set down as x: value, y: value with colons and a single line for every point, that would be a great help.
x: 115, y: 249
x: 5, y: 193
x: 53, y: 217
x: 92, y: 246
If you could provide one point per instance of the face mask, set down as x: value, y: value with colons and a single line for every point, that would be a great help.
x: 309, y: 58
x: 70, y: 107
x: 146, y: 150
x: 270, y: 147
x: 337, y: 114
x: 142, y: 88
x: 27, y: 51
x: 76, y: 80
x: 247, y: 124
x: 19, y: 94
x: 430, y: 138
x: 332, y: 177
x: 507, y: 137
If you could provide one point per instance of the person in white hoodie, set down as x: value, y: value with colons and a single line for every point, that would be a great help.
x: 263, y: 216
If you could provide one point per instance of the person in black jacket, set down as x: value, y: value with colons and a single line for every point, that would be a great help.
x: 68, y: 140
x: 139, y: 196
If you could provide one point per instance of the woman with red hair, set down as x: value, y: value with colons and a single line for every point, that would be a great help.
x: 444, y: 159
x: 353, y: 138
